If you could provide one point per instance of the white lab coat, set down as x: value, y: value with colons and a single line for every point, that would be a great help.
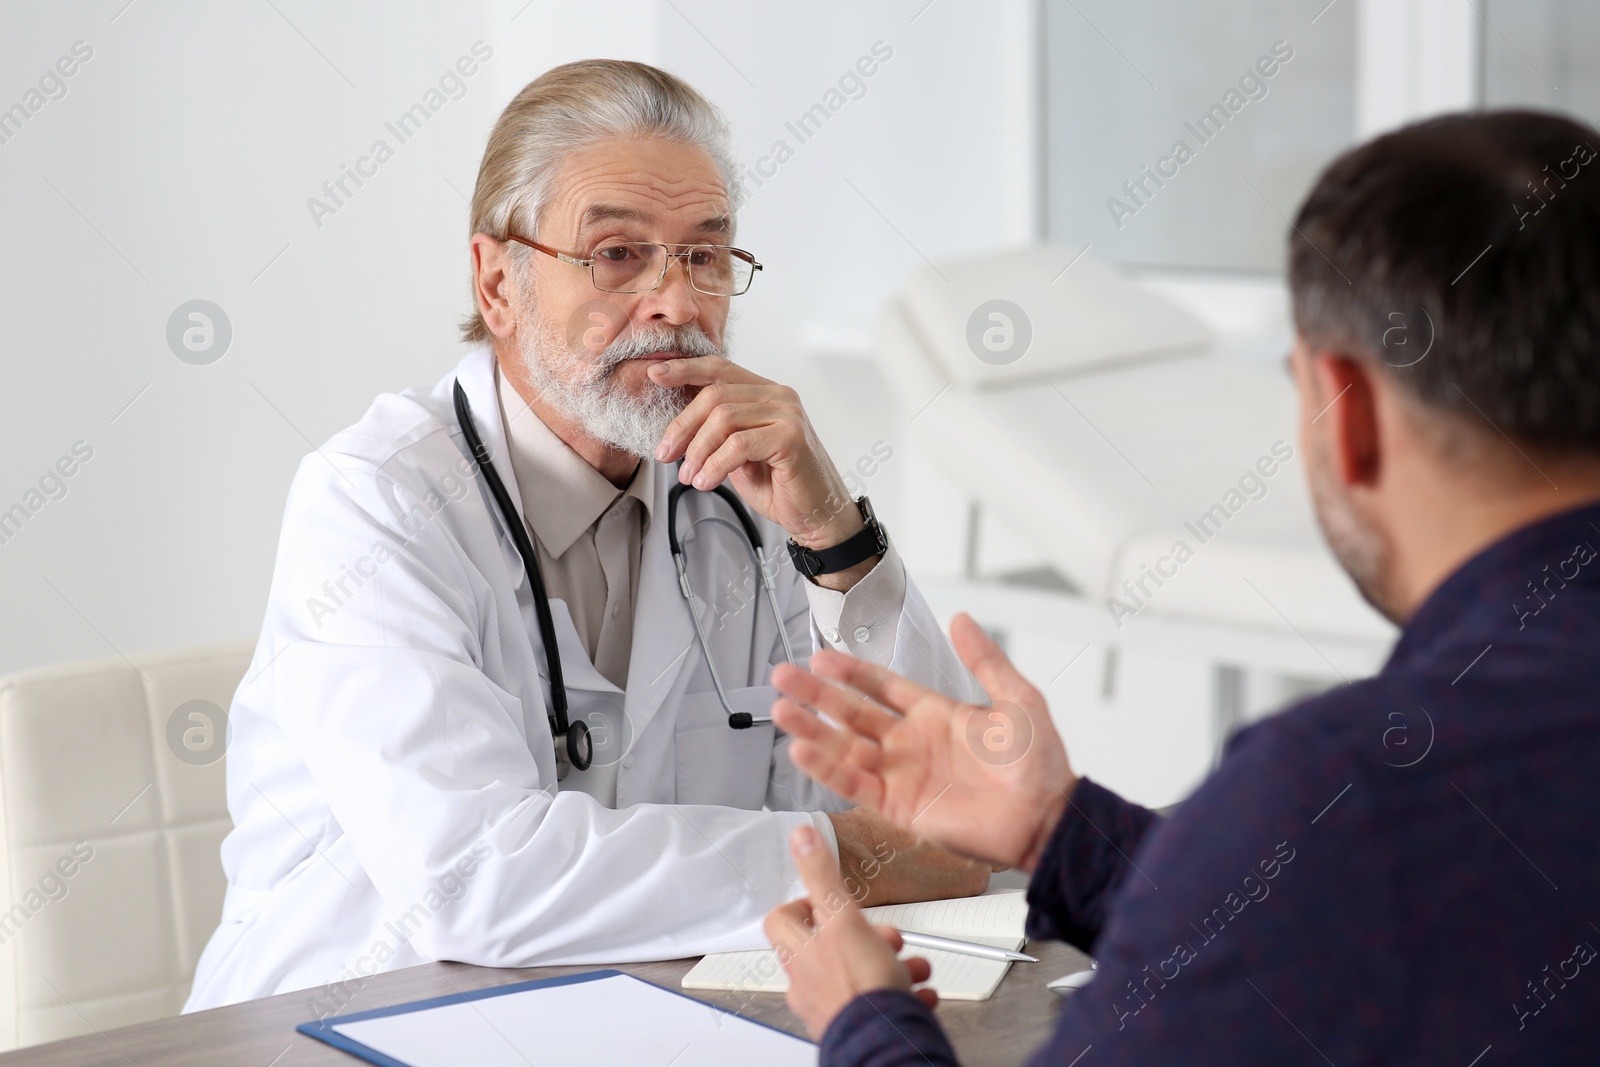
x: 391, y: 774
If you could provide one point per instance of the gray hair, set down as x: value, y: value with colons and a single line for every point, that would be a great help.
x: 568, y: 108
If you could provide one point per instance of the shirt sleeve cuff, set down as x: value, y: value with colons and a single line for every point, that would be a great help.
x: 1084, y: 865
x: 863, y: 620
x: 824, y: 826
x: 886, y: 1028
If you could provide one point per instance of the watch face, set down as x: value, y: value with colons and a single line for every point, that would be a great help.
x: 871, y: 520
x: 805, y: 561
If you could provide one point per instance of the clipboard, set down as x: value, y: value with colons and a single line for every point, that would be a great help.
x: 597, y: 1017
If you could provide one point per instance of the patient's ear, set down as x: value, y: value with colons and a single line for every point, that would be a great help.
x: 1347, y: 417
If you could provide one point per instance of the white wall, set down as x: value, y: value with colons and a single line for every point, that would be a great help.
x: 933, y: 159
x: 178, y: 166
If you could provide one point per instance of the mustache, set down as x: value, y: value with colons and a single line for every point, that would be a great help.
x: 638, y: 341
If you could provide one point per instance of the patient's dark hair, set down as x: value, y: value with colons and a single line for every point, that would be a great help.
x: 1488, y: 226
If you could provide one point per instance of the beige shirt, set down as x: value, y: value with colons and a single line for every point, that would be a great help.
x: 587, y: 533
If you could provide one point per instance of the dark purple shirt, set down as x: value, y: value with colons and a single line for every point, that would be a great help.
x: 1405, y: 870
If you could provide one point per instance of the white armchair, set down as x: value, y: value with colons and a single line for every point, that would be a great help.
x: 112, y: 809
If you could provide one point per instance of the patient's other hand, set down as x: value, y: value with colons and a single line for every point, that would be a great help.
x: 832, y: 955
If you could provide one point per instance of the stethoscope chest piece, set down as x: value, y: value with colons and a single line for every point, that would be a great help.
x: 607, y: 732
x: 574, y: 749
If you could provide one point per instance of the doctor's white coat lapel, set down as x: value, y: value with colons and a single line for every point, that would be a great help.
x: 476, y: 375
x: 664, y: 644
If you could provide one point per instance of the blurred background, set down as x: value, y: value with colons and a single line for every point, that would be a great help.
x: 1043, y: 339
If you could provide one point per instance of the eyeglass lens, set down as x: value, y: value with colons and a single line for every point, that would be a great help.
x: 636, y: 266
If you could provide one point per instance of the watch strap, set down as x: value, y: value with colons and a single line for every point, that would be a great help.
x: 865, y: 543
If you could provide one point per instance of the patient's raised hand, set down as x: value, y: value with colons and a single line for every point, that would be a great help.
x: 989, y: 781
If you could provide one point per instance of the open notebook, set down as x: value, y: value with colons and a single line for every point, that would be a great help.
x: 995, y: 918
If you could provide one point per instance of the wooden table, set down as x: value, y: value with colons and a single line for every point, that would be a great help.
x: 997, y: 1032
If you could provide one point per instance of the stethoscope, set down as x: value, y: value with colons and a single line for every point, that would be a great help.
x: 574, y: 746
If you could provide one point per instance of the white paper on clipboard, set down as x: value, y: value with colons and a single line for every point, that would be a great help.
x: 611, y: 1018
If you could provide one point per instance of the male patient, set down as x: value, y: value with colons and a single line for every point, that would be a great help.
x: 394, y: 778
x: 1402, y: 870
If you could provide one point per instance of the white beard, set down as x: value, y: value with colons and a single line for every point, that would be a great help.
x: 579, y: 384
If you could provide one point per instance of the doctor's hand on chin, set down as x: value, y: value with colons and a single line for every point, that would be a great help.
x: 741, y: 425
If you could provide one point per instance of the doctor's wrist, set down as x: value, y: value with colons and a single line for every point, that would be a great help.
x: 837, y: 530
x: 850, y: 546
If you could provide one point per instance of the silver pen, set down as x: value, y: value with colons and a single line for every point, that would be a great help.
x: 966, y: 948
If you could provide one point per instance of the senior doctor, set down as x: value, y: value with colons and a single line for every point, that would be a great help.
x: 392, y: 775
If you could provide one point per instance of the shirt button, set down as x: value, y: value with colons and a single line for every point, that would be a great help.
x: 831, y: 635
x: 628, y: 762
x: 862, y: 634
x: 616, y: 611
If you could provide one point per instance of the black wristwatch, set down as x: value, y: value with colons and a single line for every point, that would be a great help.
x: 867, y: 542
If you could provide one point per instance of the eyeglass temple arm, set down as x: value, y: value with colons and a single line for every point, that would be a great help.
x: 547, y: 250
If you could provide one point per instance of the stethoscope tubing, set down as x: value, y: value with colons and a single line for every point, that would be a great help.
x: 530, y: 561
x: 559, y: 719
x: 737, y: 719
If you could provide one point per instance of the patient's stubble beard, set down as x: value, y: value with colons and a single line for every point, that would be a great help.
x: 1360, y: 549
x: 581, y: 385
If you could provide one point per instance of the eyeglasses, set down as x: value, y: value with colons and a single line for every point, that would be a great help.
x: 640, y: 266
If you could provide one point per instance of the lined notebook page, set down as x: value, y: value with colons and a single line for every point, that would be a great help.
x: 996, y: 918
x: 1001, y: 913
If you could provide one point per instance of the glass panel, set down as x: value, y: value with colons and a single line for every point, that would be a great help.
x: 1183, y: 134
x: 627, y: 267
x: 712, y: 268
x: 1543, y: 53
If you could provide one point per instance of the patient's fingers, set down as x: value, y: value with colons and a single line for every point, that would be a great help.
x: 835, y: 752
x: 891, y: 936
x: 884, y: 686
x: 845, y: 706
x: 788, y: 926
x: 841, y: 745
x: 849, y: 780
x: 791, y: 718
x: 819, y: 870
x: 988, y: 663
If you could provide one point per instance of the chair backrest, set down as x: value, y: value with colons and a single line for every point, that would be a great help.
x: 112, y: 809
